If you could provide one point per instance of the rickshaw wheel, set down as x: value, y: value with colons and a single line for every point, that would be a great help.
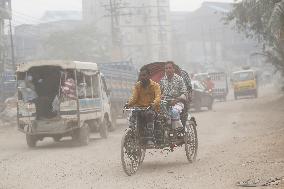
x: 31, y: 140
x: 191, y: 141
x: 131, y: 153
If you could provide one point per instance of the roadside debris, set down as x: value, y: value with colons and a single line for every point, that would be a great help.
x: 257, y: 182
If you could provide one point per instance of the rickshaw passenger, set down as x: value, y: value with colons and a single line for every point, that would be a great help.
x: 187, y: 81
x: 146, y: 93
x: 173, y: 86
x: 69, y: 87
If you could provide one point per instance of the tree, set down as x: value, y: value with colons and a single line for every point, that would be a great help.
x: 264, y: 21
x: 83, y: 43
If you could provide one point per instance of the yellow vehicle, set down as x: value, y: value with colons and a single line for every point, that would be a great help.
x: 245, y: 83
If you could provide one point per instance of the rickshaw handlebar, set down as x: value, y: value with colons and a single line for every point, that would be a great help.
x: 137, y: 108
x: 167, y: 99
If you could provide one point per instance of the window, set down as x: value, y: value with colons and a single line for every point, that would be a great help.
x: 96, y: 86
x: 243, y: 76
x: 81, y: 85
x: 89, y: 90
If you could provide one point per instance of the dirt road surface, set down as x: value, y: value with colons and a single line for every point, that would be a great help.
x: 238, y: 141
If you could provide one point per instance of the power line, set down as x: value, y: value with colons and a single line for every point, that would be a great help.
x: 21, y: 16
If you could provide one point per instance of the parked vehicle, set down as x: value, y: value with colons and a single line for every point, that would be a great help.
x: 220, y: 89
x: 200, y: 76
x: 120, y: 78
x: 201, y: 97
x: 62, y: 98
x: 245, y: 83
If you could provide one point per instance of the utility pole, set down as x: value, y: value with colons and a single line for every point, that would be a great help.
x: 5, y: 13
x: 112, y: 26
x: 204, y: 45
x: 12, y: 46
x: 161, y: 33
x: 1, y: 57
x: 148, y: 54
x: 114, y: 14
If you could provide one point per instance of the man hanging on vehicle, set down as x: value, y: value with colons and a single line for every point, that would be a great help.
x: 146, y: 93
x: 173, y: 86
x: 187, y: 81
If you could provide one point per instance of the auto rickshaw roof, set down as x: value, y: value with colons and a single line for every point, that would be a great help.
x: 64, y: 64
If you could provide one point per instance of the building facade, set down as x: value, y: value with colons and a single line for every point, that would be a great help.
x: 139, y: 29
x: 203, y: 42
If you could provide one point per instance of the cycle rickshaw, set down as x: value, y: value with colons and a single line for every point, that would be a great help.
x: 133, y: 145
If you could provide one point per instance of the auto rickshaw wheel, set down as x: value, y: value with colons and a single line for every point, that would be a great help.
x: 82, y: 135
x: 57, y: 138
x: 210, y: 107
x: 255, y: 94
x: 31, y: 140
x: 235, y: 96
x: 113, y: 124
x: 104, y: 128
x: 197, y: 105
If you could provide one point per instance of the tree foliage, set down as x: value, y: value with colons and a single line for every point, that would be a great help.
x: 264, y: 21
x: 83, y: 43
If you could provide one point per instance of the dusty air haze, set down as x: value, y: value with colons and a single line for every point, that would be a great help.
x: 62, y: 123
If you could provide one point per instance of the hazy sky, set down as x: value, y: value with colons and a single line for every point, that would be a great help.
x: 30, y: 10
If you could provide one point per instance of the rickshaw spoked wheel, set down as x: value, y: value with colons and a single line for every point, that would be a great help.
x: 191, y: 141
x: 132, y: 155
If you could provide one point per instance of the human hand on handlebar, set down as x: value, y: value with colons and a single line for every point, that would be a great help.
x: 126, y: 106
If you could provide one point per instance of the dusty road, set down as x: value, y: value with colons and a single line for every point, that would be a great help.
x: 238, y: 140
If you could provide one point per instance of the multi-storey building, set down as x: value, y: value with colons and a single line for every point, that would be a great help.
x: 140, y: 29
x: 202, y: 41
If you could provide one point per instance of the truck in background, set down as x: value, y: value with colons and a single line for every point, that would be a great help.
x: 219, y: 79
x: 220, y: 89
x: 120, y: 78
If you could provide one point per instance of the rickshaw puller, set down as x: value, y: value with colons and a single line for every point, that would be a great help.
x: 146, y: 93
